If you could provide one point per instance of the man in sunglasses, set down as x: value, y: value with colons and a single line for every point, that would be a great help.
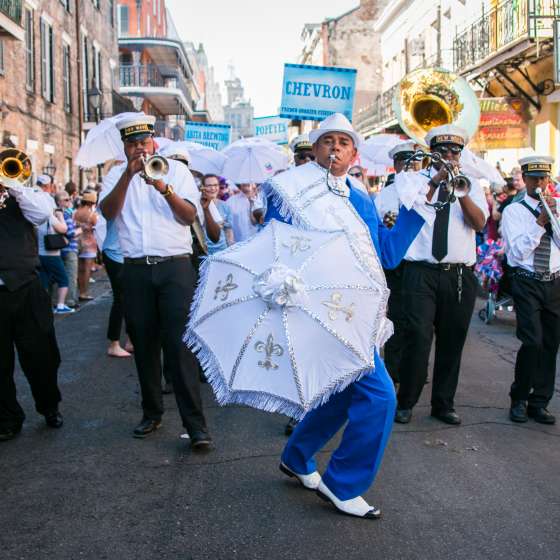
x: 438, y: 284
x: 302, y: 150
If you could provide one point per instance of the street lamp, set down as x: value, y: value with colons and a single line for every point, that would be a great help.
x: 95, y: 96
x: 50, y: 168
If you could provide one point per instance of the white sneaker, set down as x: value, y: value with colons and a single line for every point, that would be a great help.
x: 310, y: 481
x: 357, y: 507
x: 63, y: 310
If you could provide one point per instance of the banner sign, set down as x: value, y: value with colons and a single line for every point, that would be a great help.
x: 503, y: 124
x: 273, y: 128
x: 315, y: 92
x: 213, y: 135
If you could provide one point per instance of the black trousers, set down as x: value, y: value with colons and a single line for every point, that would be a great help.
x: 115, y: 272
x: 157, y: 301
x: 537, y: 307
x: 393, y: 347
x: 26, y: 322
x: 431, y: 307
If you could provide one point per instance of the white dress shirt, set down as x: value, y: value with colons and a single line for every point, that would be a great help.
x: 241, y: 223
x: 522, y: 236
x: 146, y: 224
x: 461, y: 236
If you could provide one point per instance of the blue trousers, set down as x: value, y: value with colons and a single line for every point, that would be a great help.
x: 368, y: 405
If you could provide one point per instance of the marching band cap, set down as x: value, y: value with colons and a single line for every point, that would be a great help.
x: 136, y: 127
x: 336, y: 122
x: 404, y: 149
x: 536, y: 166
x: 447, y: 134
x: 300, y: 142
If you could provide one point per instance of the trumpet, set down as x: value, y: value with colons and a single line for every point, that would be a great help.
x: 458, y: 185
x: 15, y: 171
x: 554, y: 222
x: 155, y: 167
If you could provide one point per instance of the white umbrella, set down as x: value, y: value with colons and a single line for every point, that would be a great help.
x: 478, y: 168
x: 203, y: 159
x: 374, y: 152
x: 103, y: 142
x: 253, y: 160
x: 277, y: 327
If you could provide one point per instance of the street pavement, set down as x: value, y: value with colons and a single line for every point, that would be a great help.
x: 488, y: 489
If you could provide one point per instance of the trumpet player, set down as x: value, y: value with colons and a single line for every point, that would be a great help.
x: 153, y: 214
x: 438, y: 284
x: 530, y: 230
x: 26, y: 318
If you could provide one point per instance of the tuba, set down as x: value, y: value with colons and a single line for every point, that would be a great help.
x: 15, y: 171
x: 430, y: 97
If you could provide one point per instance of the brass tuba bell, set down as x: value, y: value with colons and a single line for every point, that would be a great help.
x: 430, y: 97
x: 15, y: 171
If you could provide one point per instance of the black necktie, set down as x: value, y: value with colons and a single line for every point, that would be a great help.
x: 441, y: 228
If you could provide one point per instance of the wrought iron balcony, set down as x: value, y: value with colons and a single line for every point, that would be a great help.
x: 378, y: 113
x: 502, y: 26
x: 12, y: 9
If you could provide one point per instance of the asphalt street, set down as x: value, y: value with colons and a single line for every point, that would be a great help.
x: 488, y: 489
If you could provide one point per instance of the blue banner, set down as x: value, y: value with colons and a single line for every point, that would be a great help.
x: 273, y: 128
x: 315, y: 92
x: 213, y: 135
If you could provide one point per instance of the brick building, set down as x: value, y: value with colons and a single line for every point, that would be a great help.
x: 58, y: 75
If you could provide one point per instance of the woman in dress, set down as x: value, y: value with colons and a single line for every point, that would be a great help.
x: 86, y: 218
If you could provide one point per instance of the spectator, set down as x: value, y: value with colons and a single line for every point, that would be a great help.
x: 210, y: 190
x: 85, y: 217
x: 358, y: 173
x: 69, y: 253
x: 52, y: 268
x: 72, y: 189
x: 224, y: 193
x: 45, y: 183
x: 241, y: 207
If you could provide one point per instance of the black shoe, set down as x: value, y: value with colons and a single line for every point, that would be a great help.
x: 9, y: 433
x: 541, y: 415
x: 54, y: 419
x: 201, y: 441
x: 146, y: 427
x: 403, y: 415
x: 518, y: 412
x: 290, y: 426
x: 447, y: 416
x: 167, y: 389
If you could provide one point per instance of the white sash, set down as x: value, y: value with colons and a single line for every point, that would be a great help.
x: 301, y: 194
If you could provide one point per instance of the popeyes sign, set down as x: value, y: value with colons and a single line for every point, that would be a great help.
x: 503, y: 124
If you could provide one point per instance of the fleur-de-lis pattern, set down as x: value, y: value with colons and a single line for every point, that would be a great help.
x: 222, y: 291
x: 335, y: 306
x: 270, y: 348
x: 298, y: 244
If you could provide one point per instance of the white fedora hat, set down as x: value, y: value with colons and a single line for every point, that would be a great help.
x: 336, y: 122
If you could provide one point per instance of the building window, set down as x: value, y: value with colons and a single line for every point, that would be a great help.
x: 1, y: 57
x: 29, y: 51
x: 96, y: 3
x: 66, y: 84
x: 85, y: 76
x: 123, y: 21
x: 47, y: 61
x: 148, y: 26
x: 112, y: 12
x: 66, y: 4
x: 67, y: 169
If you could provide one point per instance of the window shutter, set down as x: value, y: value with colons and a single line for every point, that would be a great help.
x: 43, y: 59
x: 51, y: 63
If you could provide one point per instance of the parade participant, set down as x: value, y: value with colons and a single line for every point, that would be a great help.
x: 302, y: 149
x: 25, y: 309
x: 320, y: 195
x: 210, y: 191
x: 241, y: 206
x: 387, y: 206
x: 532, y: 249
x: 152, y: 218
x: 358, y: 173
x: 438, y: 284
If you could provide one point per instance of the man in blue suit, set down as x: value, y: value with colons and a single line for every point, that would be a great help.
x: 320, y: 195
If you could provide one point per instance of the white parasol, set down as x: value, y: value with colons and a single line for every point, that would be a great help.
x: 253, y: 160
x: 284, y: 320
x: 203, y: 159
x: 374, y: 152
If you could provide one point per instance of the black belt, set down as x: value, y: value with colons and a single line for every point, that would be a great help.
x: 541, y: 277
x: 445, y: 267
x: 149, y: 260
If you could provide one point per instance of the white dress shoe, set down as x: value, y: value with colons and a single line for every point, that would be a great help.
x: 357, y: 507
x: 310, y: 481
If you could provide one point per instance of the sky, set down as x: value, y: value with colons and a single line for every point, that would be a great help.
x: 256, y: 36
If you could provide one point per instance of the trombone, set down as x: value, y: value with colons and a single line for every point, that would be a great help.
x: 15, y: 171
x: 554, y: 222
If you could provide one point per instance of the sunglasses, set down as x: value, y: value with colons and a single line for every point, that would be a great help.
x: 355, y: 174
x: 446, y: 149
x: 305, y: 156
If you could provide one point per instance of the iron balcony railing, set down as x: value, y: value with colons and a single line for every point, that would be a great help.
x: 503, y: 25
x: 380, y: 111
x: 150, y: 75
x: 12, y: 9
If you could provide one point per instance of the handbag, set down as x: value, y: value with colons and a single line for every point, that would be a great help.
x: 55, y: 241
